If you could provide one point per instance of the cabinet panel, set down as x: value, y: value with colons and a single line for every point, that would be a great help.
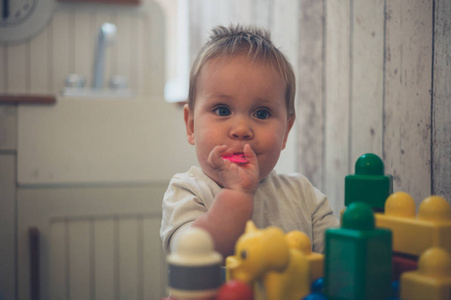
x: 95, y: 243
x: 7, y: 227
x: 101, y: 141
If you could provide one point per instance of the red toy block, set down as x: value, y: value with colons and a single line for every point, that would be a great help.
x: 403, y: 263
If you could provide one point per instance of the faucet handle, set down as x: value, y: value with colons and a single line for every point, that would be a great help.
x: 75, y: 81
x: 119, y: 82
x: 108, y: 33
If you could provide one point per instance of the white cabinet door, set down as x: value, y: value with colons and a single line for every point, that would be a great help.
x: 95, y: 243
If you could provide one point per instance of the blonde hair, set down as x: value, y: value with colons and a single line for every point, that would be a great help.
x: 233, y: 40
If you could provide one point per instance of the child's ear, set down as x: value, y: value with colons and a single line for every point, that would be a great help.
x: 289, y: 126
x: 189, y: 123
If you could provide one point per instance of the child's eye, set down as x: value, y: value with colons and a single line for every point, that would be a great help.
x: 262, y: 114
x: 222, y: 111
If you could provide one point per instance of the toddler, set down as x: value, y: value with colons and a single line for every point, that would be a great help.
x: 240, y: 111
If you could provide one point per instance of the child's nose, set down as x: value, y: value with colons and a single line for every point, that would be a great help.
x: 241, y: 129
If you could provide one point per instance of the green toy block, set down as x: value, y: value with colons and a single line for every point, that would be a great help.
x: 368, y: 184
x: 358, y: 257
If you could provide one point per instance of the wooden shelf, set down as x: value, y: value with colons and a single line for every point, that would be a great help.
x: 27, y: 99
x: 130, y: 2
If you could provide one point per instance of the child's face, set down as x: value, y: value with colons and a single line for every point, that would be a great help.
x: 239, y: 102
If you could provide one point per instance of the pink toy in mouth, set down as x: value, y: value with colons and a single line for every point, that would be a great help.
x: 238, y: 158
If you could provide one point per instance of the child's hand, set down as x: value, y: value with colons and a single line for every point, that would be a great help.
x: 242, y: 177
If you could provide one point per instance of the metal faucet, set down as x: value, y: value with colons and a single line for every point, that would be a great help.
x: 106, y: 37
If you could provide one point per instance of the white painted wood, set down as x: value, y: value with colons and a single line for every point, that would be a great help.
x: 366, y: 113
x: 126, y: 44
x: 8, y: 127
x: 221, y: 13
x: 154, y: 55
x: 8, y: 218
x: 154, y: 287
x: 286, y: 29
x: 407, y: 110
x: 59, y: 248
x: 206, y: 15
x: 310, y: 93
x: 195, y: 28
x: 337, y: 101
x: 170, y: 10
x: 79, y: 261
x: 105, y: 259
x: 261, y: 12
x: 84, y: 44
x: 198, y: 31
x: 101, y: 141
x: 61, y: 49
x: 164, y: 270
x: 130, y: 258
x: 3, y: 67
x: 138, y: 64
x: 40, y: 63
x: 241, y: 12
x: 17, y: 76
x: 49, y: 209
x: 441, y: 113
x: 284, y: 34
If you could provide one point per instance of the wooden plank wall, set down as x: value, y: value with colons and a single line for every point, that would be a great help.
x: 337, y: 100
x: 372, y: 77
x: 385, y: 65
x: 441, y: 108
x: 407, y: 105
x: 281, y: 18
x: 310, y: 110
x: 114, y: 257
x: 68, y: 43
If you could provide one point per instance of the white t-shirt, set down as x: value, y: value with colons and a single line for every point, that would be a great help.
x: 289, y: 202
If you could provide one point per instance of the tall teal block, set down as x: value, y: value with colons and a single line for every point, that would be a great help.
x: 358, y: 257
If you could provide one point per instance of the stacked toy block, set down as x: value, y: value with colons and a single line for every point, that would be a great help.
x: 300, y: 241
x: 413, y: 234
x: 382, y: 239
x: 432, y: 280
x: 358, y: 257
x: 369, y: 184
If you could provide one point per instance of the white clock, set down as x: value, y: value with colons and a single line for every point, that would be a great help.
x: 22, y: 19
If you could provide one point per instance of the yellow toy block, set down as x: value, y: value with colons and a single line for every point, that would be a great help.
x: 415, y: 234
x: 432, y: 280
x: 299, y: 240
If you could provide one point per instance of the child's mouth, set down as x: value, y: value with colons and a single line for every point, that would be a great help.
x: 238, y: 158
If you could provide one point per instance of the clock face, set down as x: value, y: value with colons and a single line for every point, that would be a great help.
x: 13, y: 12
x: 22, y: 19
